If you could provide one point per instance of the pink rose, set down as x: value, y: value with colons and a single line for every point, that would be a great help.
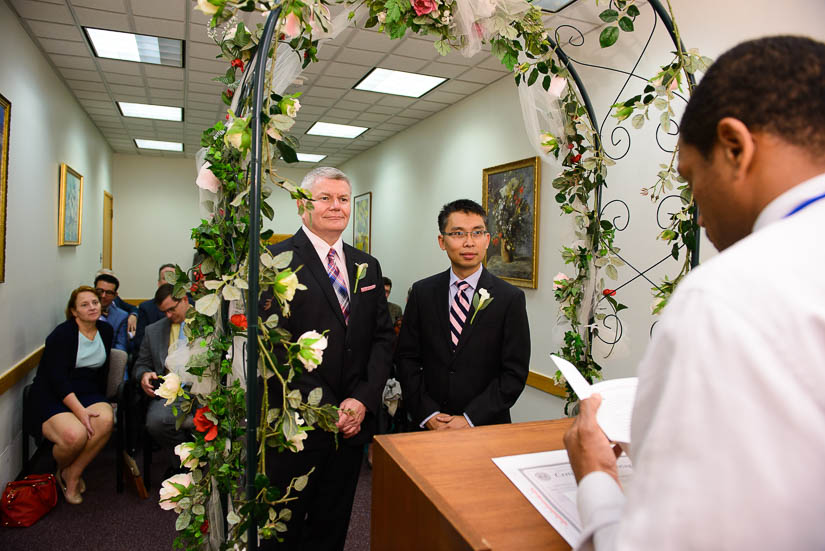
x: 423, y: 7
x: 206, y: 180
x: 559, y: 277
x: 292, y: 26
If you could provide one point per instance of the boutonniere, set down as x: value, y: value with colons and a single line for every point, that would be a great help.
x: 480, y: 302
x: 360, y: 272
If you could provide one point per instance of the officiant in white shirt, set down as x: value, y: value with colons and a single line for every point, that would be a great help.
x: 729, y: 422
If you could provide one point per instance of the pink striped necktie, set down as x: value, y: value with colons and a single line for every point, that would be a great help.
x: 459, y: 310
x: 338, y: 284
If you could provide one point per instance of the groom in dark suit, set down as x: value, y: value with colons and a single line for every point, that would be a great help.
x: 464, y: 349
x: 355, y: 367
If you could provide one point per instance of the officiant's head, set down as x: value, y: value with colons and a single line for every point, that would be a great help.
x: 463, y: 235
x: 754, y: 127
x: 331, y: 196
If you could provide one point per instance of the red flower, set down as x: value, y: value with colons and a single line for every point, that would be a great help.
x: 518, y: 200
x: 193, y: 288
x: 239, y: 320
x: 521, y: 189
x: 495, y: 241
x: 202, y: 424
x: 230, y: 92
x: 227, y: 116
x: 570, y: 146
x: 609, y: 292
x: 237, y: 63
x: 205, y: 526
x: 577, y: 158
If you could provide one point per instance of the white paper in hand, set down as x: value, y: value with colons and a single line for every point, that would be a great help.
x: 618, y: 395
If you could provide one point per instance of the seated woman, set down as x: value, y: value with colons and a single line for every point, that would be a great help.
x: 69, y: 390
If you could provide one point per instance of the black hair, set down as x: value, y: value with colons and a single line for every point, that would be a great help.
x: 387, y: 282
x: 459, y: 205
x: 108, y: 278
x: 163, y: 267
x: 163, y: 292
x: 774, y: 84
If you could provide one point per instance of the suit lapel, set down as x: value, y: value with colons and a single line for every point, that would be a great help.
x: 441, y: 300
x: 165, y: 328
x: 485, y: 281
x: 306, y: 251
x: 349, y: 262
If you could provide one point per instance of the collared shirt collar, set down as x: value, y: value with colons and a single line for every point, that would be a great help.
x: 471, y: 279
x: 785, y: 203
x: 322, y: 247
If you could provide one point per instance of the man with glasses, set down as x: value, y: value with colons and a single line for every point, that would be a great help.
x: 106, y: 286
x: 161, y: 338
x: 464, y: 349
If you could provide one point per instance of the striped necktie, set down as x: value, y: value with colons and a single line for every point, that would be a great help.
x: 459, y: 310
x: 338, y: 283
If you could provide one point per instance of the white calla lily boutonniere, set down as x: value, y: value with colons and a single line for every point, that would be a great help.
x: 360, y: 273
x: 481, y: 300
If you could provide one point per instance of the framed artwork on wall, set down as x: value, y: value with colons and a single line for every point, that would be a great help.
x: 510, y: 195
x: 362, y: 222
x: 70, y: 211
x: 5, y: 120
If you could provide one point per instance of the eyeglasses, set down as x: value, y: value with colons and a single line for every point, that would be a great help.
x: 164, y: 312
x: 475, y: 234
x: 106, y: 292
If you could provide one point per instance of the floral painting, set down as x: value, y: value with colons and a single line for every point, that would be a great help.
x: 5, y: 119
x: 511, y: 197
x: 70, y: 212
x: 362, y: 222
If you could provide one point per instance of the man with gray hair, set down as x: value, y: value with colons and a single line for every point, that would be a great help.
x: 356, y: 362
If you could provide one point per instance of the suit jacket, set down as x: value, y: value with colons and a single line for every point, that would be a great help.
x: 148, y: 313
x: 117, y: 319
x: 486, y: 373
x: 357, y: 361
x: 154, y: 349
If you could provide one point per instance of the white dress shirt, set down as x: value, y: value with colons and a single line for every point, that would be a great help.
x: 322, y: 248
x: 728, y: 428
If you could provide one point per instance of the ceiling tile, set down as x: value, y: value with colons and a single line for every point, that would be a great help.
x: 458, y: 59
x: 372, y: 118
x: 399, y: 101
x: 85, y: 85
x: 352, y: 105
x: 215, y: 88
x: 86, y: 94
x: 372, y: 41
x: 166, y: 95
x: 215, y: 66
x: 336, y: 82
x: 362, y: 96
x: 65, y: 47
x: 492, y: 63
x: 103, y: 20
x: 121, y: 67
x: 165, y: 9
x: 385, y: 109
x: 443, y: 97
x: 42, y: 11
x: 116, y: 78
x: 202, y: 51
x: 203, y: 98
x: 346, y: 70
x: 203, y: 78
x: 123, y: 89
x: 197, y: 33
x: 417, y: 113
x: 157, y: 71
x: 401, y: 63
x: 483, y: 76
x: 327, y: 53
x: 78, y: 74
x: 360, y: 57
x: 202, y: 106
x: 107, y: 5
x: 73, y: 62
x: 425, y: 105
x: 55, y: 31
x: 311, y: 110
x: 160, y: 27
x: 444, y: 70
x: 460, y: 87
x: 421, y: 49
x: 166, y: 84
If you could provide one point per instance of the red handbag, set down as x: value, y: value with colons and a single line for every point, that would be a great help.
x: 25, y: 501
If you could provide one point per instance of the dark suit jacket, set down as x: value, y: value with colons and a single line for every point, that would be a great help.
x: 358, y: 357
x: 154, y: 349
x: 148, y: 313
x: 486, y: 373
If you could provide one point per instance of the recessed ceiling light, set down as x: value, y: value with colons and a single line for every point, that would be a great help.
x: 156, y: 144
x: 310, y: 157
x: 552, y: 6
x: 136, y: 47
x: 336, y: 130
x: 399, y: 83
x: 146, y: 111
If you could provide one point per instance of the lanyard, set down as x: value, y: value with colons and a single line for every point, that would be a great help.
x: 804, y: 204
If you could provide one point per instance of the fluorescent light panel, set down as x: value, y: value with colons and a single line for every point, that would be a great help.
x: 136, y: 47
x: 310, y: 157
x: 156, y: 144
x: 146, y: 111
x: 336, y: 130
x: 553, y: 6
x: 398, y: 83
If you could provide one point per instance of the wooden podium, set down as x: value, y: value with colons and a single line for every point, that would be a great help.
x: 441, y: 491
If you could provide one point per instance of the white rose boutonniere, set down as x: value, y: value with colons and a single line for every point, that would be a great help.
x: 481, y: 300
x: 360, y: 273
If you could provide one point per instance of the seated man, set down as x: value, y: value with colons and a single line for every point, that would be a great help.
x: 162, y: 338
x: 130, y: 309
x: 106, y: 286
x: 148, y: 312
x: 395, y: 310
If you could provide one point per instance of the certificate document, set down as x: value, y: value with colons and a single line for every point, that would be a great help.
x: 547, y: 481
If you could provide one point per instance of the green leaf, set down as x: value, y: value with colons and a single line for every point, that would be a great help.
x: 300, y: 482
x: 287, y: 153
x: 608, y: 37
x: 545, y: 83
x: 626, y: 24
x: 534, y: 74
x: 232, y: 518
x: 315, y: 396
x: 633, y: 11
x: 608, y: 16
x: 183, y: 521
x: 198, y: 509
x: 611, y: 272
x: 443, y: 47
x: 638, y: 121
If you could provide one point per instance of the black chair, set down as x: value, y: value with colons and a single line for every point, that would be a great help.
x: 114, y: 393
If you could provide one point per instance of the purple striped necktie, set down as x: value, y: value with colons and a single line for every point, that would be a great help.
x: 459, y: 310
x: 338, y: 284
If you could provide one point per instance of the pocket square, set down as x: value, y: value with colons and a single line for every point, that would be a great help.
x: 367, y: 288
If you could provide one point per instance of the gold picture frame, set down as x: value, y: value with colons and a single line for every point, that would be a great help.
x: 511, y: 195
x: 5, y: 121
x: 70, y: 211
x: 362, y: 222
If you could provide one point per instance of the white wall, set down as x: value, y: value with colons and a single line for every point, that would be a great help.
x: 48, y: 127
x: 414, y: 173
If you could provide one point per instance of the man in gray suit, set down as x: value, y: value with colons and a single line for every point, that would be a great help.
x: 151, y: 362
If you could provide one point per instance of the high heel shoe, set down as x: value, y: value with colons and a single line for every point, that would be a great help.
x: 76, y: 499
x: 81, y: 485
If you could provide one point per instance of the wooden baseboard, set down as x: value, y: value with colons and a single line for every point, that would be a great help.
x: 17, y: 372
x: 545, y: 384
x: 134, y: 301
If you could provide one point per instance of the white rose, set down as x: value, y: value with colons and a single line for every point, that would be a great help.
x: 298, y: 440
x: 184, y: 452
x: 234, y: 139
x: 382, y: 16
x: 292, y: 108
x: 206, y: 7
x: 170, y: 388
x: 313, y: 345
x: 286, y: 286
x: 167, y: 491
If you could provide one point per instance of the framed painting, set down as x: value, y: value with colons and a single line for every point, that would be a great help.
x: 70, y: 211
x: 362, y: 222
x: 510, y: 195
x: 5, y: 119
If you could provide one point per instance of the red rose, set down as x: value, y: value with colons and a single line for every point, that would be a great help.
x: 518, y: 200
x: 230, y: 92
x: 205, y: 527
x: 423, y: 7
x: 202, y: 424
x: 521, y: 189
x: 239, y: 320
x: 609, y: 292
x: 570, y: 146
x: 237, y: 63
x: 576, y: 158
